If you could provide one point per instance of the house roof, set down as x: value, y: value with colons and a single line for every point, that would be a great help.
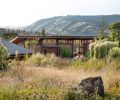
x: 18, y: 39
x: 12, y: 48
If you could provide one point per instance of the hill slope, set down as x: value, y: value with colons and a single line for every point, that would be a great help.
x: 72, y: 25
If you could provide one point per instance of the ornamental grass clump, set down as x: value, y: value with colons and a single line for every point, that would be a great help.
x: 91, y: 48
x: 101, y: 49
x: 114, y: 53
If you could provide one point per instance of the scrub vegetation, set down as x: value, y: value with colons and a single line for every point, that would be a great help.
x: 47, y: 77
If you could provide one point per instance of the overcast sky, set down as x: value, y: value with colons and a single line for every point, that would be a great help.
x: 25, y: 12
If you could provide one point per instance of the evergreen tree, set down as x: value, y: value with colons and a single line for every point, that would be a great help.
x: 115, y: 32
x: 3, y: 58
x: 43, y: 32
x: 101, y: 33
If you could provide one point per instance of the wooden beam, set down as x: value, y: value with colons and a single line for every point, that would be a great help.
x: 72, y: 48
x: 58, y: 49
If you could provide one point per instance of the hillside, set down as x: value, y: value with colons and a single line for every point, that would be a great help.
x: 72, y: 25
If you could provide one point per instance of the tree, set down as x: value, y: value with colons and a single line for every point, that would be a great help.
x: 114, y: 29
x: 3, y: 58
x: 31, y: 43
x: 43, y: 32
x: 115, y: 32
x: 101, y: 33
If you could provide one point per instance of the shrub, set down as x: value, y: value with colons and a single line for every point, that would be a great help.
x: 3, y: 58
x: 114, y: 52
x: 38, y: 59
x: 48, y: 60
x: 101, y: 48
x: 65, y: 52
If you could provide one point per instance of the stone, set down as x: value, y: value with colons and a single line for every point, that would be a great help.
x: 91, y: 86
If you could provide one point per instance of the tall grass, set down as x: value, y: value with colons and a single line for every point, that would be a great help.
x: 91, y: 48
x: 51, y: 83
x: 101, y: 49
x: 50, y: 78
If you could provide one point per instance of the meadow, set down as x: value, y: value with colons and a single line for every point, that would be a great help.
x: 51, y: 78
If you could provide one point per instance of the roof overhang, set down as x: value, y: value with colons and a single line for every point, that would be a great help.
x: 18, y: 39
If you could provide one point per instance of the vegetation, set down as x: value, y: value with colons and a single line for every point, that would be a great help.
x: 74, y: 28
x: 115, y: 31
x: 38, y: 82
x: 101, y: 49
x: 9, y: 34
x: 48, y: 60
x: 3, y: 58
x: 91, y: 49
x: 114, y: 53
x: 41, y: 33
x: 47, y: 77
x: 101, y: 34
x: 65, y: 52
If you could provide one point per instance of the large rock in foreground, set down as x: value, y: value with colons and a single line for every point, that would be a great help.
x: 91, y: 86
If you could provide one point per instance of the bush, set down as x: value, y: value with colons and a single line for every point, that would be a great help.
x: 48, y: 60
x: 101, y: 49
x: 65, y: 52
x: 39, y: 59
x: 114, y: 53
x: 3, y: 58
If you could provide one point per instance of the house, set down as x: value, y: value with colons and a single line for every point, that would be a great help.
x: 55, y: 44
x: 13, y: 48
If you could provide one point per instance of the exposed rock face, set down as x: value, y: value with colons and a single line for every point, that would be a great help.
x: 73, y: 25
x: 91, y: 86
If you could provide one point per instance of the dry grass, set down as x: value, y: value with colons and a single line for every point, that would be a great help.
x: 53, y: 77
x: 24, y: 78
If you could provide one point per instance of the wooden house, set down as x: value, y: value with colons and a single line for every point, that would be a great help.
x: 55, y: 44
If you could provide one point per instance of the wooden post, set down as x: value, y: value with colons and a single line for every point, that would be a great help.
x: 87, y: 45
x: 83, y: 47
x: 57, y: 44
x: 72, y: 48
x: 41, y: 45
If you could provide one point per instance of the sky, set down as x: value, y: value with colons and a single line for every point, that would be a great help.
x: 25, y: 12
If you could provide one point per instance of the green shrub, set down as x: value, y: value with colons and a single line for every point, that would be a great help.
x: 65, y: 52
x: 3, y: 58
x: 114, y: 52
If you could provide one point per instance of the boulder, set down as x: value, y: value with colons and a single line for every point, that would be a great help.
x: 91, y: 86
